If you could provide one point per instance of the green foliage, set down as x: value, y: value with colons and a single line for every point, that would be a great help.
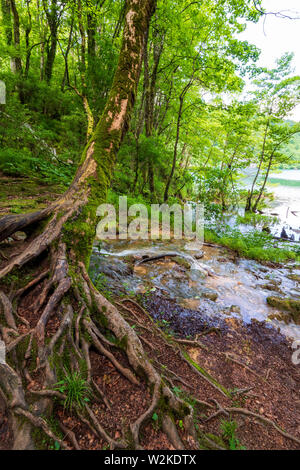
x: 16, y: 162
x: 76, y: 389
x: 255, y: 219
x: 100, y: 282
x: 43, y: 124
x: 228, y: 429
x: 254, y: 245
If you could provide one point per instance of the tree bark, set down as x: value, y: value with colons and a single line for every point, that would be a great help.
x: 17, y: 63
x: 179, y: 116
x: 150, y: 84
x: 53, y: 23
x: 6, y: 19
x: 250, y: 194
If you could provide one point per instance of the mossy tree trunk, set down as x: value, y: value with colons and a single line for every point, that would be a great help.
x: 57, y: 253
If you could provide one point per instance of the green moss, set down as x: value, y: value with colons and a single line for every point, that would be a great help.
x: 294, y: 277
x: 182, y: 262
x: 206, y: 441
x: 290, y: 305
x: 41, y: 440
x: 206, y: 374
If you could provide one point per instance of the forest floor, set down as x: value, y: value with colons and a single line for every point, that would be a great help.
x: 235, y: 373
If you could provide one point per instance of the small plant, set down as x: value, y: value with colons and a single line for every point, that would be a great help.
x: 177, y: 391
x: 228, y: 429
x: 156, y: 422
x: 101, y: 285
x: 76, y: 389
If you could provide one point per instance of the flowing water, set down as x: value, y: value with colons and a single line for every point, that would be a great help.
x: 217, y: 285
x: 211, y: 282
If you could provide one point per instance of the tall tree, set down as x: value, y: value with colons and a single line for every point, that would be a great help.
x: 64, y: 232
x: 53, y: 14
x: 17, y: 61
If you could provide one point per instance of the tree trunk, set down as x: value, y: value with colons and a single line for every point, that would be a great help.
x: 181, y: 100
x: 150, y: 85
x: 27, y: 35
x: 63, y: 233
x: 53, y: 22
x: 250, y: 194
x: 6, y: 20
x: 264, y: 184
x: 17, y: 63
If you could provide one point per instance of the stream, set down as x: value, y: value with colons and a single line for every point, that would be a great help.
x: 216, y: 286
x: 211, y: 284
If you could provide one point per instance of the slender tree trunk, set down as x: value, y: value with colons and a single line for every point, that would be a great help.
x: 250, y: 194
x: 264, y: 183
x: 179, y: 116
x: 17, y: 62
x: 66, y: 78
x: 6, y: 20
x: 27, y: 35
x: 53, y: 23
x: 150, y: 85
x: 84, y: 93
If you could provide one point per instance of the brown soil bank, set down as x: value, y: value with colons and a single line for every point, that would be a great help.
x: 232, y: 374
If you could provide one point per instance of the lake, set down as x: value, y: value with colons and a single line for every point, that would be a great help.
x: 285, y: 185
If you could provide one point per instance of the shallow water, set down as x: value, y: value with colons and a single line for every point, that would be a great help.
x: 241, y: 286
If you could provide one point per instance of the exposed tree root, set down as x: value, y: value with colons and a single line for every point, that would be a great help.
x: 76, y: 331
x: 228, y: 410
x: 40, y: 423
x: 82, y: 318
x: 70, y: 434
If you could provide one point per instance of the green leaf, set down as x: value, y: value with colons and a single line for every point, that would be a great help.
x: 56, y: 445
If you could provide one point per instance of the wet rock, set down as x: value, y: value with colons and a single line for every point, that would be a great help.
x: 182, y: 262
x: 211, y: 295
x: 294, y: 277
x: 284, y: 317
x: 141, y: 289
x: 289, y: 305
x: 140, y: 270
x: 263, y: 269
x: 114, y: 270
x: 283, y: 234
x: 235, y: 309
x: 199, y: 255
x: 271, y: 286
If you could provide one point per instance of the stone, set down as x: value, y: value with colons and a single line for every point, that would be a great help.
x: 291, y: 306
x: 235, y: 309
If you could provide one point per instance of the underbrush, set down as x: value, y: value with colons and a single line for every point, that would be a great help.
x: 254, y: 245
x: 21, y: 163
